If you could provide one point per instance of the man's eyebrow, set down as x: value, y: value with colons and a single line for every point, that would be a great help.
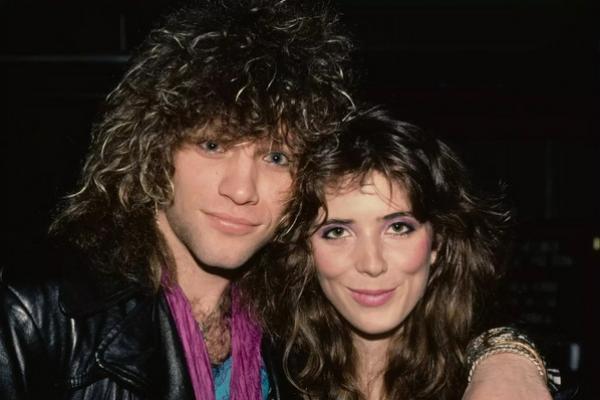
x: 266, y: 144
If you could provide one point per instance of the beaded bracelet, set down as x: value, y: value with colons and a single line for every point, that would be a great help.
x: 503, y: 340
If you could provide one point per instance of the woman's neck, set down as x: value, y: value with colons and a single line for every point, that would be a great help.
x: 371, y: 363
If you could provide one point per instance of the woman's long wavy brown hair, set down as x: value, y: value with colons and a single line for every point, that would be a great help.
x: 426, y: 358
x: 252, y: 68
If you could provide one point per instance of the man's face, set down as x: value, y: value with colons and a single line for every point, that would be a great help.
x: 227, y: 201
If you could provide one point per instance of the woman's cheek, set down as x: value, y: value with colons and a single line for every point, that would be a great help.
x: 411, y: 258
x: 330, y: 260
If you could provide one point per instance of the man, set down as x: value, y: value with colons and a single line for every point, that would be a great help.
x: 185, y: 181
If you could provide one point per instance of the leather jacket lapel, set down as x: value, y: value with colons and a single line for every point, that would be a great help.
x: 144, y: 351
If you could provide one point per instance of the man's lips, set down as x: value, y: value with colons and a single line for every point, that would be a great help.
x: 231, y: 224
x: 371, y: 298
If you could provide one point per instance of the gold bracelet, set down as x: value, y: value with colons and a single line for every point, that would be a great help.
x: 503, y: 340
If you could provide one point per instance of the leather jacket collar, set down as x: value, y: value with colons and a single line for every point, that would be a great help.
x: 139, y: 345
x: 142, y: 349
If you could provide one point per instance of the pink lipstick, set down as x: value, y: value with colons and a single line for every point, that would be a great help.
x: 371, y: 298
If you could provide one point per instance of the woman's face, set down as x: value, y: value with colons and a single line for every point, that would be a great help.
x: 372, y: 255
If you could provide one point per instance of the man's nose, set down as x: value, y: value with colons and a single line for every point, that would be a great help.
x: 369, y: 257
x: 238, y: 182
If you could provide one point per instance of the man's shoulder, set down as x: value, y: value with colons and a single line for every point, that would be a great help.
x: 30, y: 316
x: 28, y: 293
x: 32, y: 283
x: 69, y: 293
x: 65, y: 308
x: 71, y: 330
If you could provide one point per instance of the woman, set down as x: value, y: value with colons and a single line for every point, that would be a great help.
x: 388, y: 258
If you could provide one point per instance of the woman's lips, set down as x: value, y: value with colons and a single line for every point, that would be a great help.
x: 371, y: 298
x: 230, y: 224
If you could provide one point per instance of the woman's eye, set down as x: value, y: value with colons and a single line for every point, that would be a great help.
x: 401, y: 228
x: 211, y: 146
x: 334, y: 233
x: 277, y: 158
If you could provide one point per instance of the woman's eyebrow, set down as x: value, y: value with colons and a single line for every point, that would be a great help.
x: 338, y: 221
x: 397, y: 214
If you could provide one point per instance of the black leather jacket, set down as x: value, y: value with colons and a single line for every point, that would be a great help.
x: 72, y: 339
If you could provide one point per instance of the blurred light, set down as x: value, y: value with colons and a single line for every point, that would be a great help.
x: 596, y: 243
x: 574, y: 356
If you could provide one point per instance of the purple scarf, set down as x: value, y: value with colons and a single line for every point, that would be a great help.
x: 245, y: 348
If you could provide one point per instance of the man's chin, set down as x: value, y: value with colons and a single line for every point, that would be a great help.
x: 222, y: 266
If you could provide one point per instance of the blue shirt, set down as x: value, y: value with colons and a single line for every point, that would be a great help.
x: 222, y: 379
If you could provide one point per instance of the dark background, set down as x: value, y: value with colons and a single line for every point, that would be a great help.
x: 512, y: 85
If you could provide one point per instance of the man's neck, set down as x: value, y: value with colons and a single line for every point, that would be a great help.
x: 203, y: 288
x: 206, y: 293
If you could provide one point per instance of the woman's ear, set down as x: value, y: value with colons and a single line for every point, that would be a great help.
x: 435, y: 244
x: 432, y: 257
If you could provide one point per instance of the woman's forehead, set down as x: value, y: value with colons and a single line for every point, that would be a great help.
x: 392, y: 191
x: 367, y: 182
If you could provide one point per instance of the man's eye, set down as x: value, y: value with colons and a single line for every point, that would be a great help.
x: 278, y: 158
x: 211, y: 146
x: 334, y: 233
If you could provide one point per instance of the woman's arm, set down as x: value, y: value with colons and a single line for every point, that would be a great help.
x: 506, y: 376
x: 505, y: 364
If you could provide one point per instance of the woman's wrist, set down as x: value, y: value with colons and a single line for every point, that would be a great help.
x: 504, y: 340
